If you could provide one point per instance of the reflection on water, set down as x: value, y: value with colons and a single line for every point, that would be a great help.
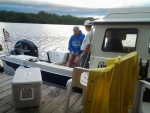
x: 46, y: 36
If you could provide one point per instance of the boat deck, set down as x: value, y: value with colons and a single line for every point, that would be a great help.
x: 53, y: 99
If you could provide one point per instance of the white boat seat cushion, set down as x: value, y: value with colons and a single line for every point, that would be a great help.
x: 58, y: 57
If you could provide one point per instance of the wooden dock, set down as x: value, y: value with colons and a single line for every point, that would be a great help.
x: 53, y: 99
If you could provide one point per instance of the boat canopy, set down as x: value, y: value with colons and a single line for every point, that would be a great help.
x: 125, y: 15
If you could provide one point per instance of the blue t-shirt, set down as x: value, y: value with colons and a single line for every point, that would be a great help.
x: 75, y: 42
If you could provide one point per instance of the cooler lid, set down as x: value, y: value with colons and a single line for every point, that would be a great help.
x: 27, y: 76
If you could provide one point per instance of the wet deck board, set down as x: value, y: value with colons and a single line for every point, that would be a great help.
x: 53, y: 99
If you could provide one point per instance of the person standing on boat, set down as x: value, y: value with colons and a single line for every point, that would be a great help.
x: 74, y: 46
x: 85, y: 47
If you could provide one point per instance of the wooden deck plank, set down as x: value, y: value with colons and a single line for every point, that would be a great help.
x: 5, y: 100
x: 5, y: 93
x: 2, y: 75
x: 6, y: 87
x: 50, y: 97
x: 53, y: 99
x: 77, y: 107
x: 46, y: 99
x: 73, y: 98
x: 5, y: 79
x: 5, y: 108
x: 50, y: 107
x: 5, y: 83
x: 45, y: 91
x: 44, y: 86
x: 8, y: 98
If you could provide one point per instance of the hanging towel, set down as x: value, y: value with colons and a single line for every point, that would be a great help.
x: 97, y: 96
x: 129, y: 68
x: 111, y: 89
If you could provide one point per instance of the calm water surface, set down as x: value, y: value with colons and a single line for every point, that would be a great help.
x: 46, y: 36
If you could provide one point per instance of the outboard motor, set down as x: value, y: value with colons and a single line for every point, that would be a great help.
x: 25, y: 47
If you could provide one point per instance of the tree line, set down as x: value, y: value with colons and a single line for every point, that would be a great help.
x: 41, y: 17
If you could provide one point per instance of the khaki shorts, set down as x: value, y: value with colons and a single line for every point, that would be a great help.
x: 83, y: 59
x: 74, y: 57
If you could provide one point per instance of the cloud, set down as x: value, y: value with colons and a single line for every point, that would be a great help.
x: 80, y: 3
x: 80, y: 8
x: 57, y: 10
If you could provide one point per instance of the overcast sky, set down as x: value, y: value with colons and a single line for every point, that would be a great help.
x: 73, y: 7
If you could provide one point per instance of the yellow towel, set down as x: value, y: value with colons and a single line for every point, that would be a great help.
x: 129, y: 76
x: 98, y: 90
x: 111, y: 89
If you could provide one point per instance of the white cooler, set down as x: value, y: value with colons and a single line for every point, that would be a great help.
x: 27, y: 87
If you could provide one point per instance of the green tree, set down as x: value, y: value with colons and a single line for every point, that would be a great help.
x: 41, y: 17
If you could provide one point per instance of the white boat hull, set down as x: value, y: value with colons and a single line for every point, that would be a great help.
x: 51, y: 73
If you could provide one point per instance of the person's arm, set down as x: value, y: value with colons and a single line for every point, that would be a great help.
x: 79, y: 52
x: 88, y: 42
x: 70, y: 45
x: 86, y: 50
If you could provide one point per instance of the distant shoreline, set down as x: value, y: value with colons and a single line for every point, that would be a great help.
x: 41, y: 18
x: 38, y: 23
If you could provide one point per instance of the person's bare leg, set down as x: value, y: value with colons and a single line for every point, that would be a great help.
x: 76, y: 61
x: 69, y: 61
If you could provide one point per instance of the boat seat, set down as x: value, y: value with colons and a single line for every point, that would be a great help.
x: 57, y: 57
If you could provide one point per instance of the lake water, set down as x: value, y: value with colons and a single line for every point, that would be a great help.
x: 46, y: 36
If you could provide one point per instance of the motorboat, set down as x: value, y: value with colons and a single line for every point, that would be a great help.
x: 131, y: 27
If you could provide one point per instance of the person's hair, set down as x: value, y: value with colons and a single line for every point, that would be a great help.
x: 112, y: 33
